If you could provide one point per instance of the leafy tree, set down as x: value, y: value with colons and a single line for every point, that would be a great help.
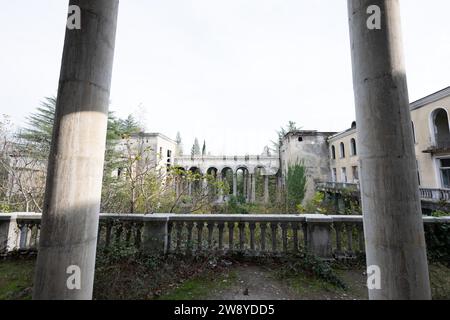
x: 296, y: 186
x: 38, y: 132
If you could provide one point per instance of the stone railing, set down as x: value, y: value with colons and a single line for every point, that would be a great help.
x: 338, y: 186
x: 435, y: 194
x: 425, y: 193
x: 325, y: 236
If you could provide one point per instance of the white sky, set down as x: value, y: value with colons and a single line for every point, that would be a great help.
x: 230, y: 72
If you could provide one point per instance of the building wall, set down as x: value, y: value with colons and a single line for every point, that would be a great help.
x: 311, y: 148
x: 348, y: 162
x: 429, y: 173
x: 428, y: 164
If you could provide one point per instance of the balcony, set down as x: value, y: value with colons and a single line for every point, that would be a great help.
x: 441, y: 146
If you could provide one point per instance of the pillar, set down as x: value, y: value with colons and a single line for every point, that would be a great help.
x: 253, y: 191
x: 393, y: 223
x: 234, y: 184
x: 266, y: 189
x: 74, y: 176
x: 249, y: 187
x: 220, y: 190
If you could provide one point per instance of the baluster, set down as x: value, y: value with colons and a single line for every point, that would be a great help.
x: 108, y: 233
x: 189, y: 227
x: 274, y: 227
x: 284, y: 228
x: 252, y: 227
x: 38, y: 234
x: 138, y: 234
x: 338, y: 229
x: 169, y: 235
x: 99, y: 234
x: 119, y: 232
x: 295, y: 235
x: 220, y: 226
x: 241, y: 226
x: 263, y: 227
x: 361, y: 238
x: 200, y: 226
x: 128, y: 230
x: 179, y: 227
x: 210, y: 235
x: 349, y: 229
x: 230, y: 235
x: 305, y: 234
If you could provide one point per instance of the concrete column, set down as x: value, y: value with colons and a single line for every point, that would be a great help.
x: 279, y: 186
x: 266, y: 189
x: 393, y: 224
x: 253, y: 191
x: 155, y: 235
x: 249, y: 187
x: 220, y: 191
x: 244, y: 178
x: 234, y: 184
x: 205, y: 186
x: 74, y: 176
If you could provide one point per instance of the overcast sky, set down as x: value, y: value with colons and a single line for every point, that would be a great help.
x: 229, y: 71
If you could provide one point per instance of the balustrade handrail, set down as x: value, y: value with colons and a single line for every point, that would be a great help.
x: 326, y: 236
x: 425, y: 193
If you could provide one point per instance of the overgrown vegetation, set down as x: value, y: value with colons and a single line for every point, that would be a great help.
x: 296, y: 186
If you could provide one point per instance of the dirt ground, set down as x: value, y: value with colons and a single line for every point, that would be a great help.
x: 258, y: 283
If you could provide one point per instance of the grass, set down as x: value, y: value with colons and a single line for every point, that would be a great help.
x: 201, y: 287
x: 16, y: 279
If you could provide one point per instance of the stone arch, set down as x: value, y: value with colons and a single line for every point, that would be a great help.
x: 243, y: 182
x: 226, y: 174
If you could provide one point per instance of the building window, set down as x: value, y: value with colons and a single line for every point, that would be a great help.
x: 300, y: 139
x: 160, y: 152
x: 353, y: 147
x: 344, y: 175
x: 445, y: 173
x: 342, y: 149
x: 355, y: 174
x: 441, y: 128
x: 414, y: 132
x: 333, y: 153
x: 334, y: 175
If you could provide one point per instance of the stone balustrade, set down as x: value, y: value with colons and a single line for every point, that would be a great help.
x: 425, y: 193
x: 326, y: 236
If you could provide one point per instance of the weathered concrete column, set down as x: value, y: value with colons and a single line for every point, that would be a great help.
x: 393, y: 224
x: 279, y: 186
x: 266, y: 189
x: 253, y: 191
x: 219, y: 180
x: 249, y: 187
x: 74, y: 178
x: 234, y: 184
